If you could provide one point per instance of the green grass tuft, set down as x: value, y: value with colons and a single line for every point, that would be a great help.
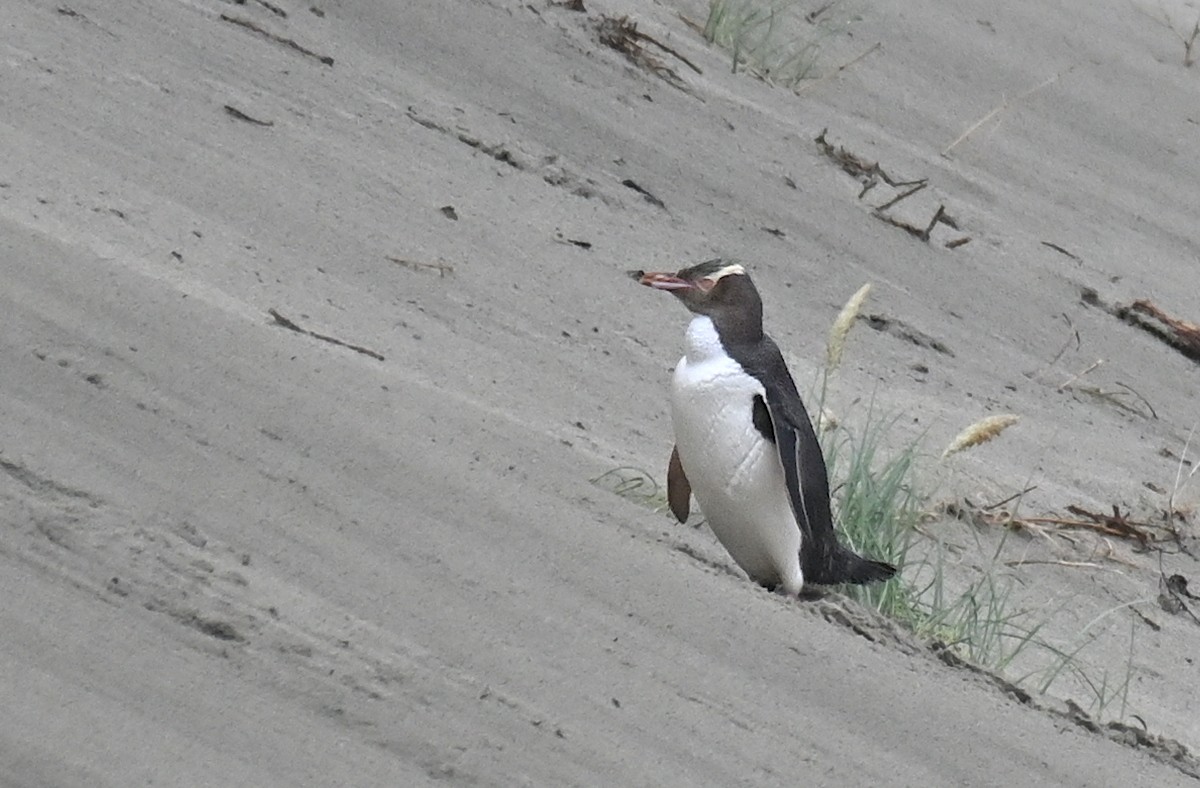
x: 772, y: 39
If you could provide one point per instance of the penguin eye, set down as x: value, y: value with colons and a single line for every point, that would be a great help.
x: 706, y: 284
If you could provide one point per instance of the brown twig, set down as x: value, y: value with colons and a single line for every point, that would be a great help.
x: 274, y: 9
x: 234, y: 112
x: 989, y: 507
x: 1060, y: 250
x: 1183, y: 335
x: 922, y: 233
x: 621, y: 34
x: 1118, y: 524
x: 868, y: 172
x: 287, y: 42
x: 812, y: 16
x: 667, y: 49
x: 291, y: 325
x: 903, y: 195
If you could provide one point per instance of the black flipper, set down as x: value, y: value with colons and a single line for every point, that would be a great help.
x: 679, y: 489
x: 823, y: 559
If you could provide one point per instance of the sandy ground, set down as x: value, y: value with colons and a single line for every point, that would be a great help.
x: 235, y: 554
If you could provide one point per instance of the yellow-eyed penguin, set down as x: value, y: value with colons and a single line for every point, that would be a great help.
x: 744, y: 445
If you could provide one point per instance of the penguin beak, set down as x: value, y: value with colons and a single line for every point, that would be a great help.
x: 662, y: 281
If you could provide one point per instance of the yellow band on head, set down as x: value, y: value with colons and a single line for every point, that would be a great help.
x: 732, y: 268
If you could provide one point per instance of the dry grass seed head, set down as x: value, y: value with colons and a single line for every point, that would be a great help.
x: 842, y: 325
x: 981, y: 431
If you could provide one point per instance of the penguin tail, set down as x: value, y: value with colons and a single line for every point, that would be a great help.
x: 852, y: 568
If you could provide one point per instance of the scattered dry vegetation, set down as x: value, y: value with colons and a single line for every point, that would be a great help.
x: 622, y: 34
x: 870, y: 174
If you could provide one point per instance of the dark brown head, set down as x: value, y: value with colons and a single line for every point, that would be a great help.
x: 720, y: 289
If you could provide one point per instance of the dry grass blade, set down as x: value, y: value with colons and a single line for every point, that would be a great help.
x: 981, y: 431
x: 1070, y: 381
x: 633, y: 484
x: 998, y: 109
x: 825, y: 77
x: 842, y: 325
x: 1056, y: 562
x: 416, y: 265
x: 1181, y: 480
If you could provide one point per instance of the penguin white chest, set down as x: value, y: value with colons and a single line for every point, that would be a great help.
x: 734, y: 471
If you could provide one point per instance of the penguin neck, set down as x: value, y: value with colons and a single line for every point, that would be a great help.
x: 703, y: 341
x: 711, y: 337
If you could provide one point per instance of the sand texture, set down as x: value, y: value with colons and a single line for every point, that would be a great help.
x: 315, y: 329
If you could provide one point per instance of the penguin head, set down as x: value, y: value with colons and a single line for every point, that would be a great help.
x: 720, y: 289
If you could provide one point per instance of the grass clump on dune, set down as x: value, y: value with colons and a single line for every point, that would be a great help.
x: 772, y: 39
x: 879, y: 507
x: 972, y: 613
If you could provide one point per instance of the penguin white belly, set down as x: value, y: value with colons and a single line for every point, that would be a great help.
x: 733, y: 470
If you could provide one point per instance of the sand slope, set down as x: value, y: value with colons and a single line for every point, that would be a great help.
x: 237, y: 554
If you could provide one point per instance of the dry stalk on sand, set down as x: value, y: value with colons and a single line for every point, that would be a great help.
x: 1181, y: 480
x: 1005, y: 104
x: 1118, y: 525
x: 1072, y: 380
x: 416, y: 265
x: 622, y: 34
x: 1183, y: 335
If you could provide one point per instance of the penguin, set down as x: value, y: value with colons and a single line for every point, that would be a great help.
x: 744, y: 444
